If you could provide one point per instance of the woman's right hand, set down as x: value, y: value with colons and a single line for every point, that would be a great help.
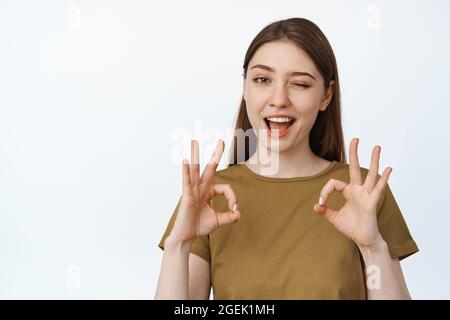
x: 196, y: 217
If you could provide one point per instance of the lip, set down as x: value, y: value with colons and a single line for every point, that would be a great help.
x: 279, y: 116
x: 281, y: 133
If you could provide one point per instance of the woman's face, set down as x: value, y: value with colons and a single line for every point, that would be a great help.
x: 283, y: 81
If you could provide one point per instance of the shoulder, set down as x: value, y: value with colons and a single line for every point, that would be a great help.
x: 342, y: 171
x: 229, y: 174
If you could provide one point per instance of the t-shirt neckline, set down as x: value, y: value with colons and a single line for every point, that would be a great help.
x: 291, y: 179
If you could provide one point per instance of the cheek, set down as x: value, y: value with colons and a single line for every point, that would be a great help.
x: 255, y: 100
x: 306, y: 104
x: 255, y: 105
x: 254, y: 114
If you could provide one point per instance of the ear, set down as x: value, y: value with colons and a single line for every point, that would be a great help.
x: 327, y: 97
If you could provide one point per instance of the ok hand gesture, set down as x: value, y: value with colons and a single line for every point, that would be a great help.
x: 196, y: 216
x: 357, y: 219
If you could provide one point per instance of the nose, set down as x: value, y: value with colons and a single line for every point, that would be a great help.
x: 279, y: 97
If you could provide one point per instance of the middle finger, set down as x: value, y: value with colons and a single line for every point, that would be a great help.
x: 372, y: 176
x: 195, y: 163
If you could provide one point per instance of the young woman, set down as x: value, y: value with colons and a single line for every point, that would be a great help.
x: 254, y: 233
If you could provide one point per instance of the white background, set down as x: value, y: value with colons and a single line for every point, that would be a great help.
x: 93, y: 92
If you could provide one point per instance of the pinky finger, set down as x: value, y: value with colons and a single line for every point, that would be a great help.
x: 379, y: 187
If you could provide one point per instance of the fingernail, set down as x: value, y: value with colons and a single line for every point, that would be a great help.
x: 321, y: 202
x: 235, y: 208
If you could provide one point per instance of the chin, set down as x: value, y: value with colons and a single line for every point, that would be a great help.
x: 283, y: 146
x: 274, y: 144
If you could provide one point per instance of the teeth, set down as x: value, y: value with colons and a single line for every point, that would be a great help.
x: 279, y: 119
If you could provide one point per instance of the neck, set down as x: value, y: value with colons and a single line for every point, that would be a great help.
x: 294, y: 162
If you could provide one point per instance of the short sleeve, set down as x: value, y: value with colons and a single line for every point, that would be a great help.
x: 393, y: 227
x: 200, y: 246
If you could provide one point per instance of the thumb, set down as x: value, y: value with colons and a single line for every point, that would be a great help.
x: 323, y: 210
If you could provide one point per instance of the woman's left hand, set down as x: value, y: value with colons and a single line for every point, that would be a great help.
x: 357, y: 219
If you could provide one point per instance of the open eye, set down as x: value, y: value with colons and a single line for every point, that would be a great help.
x: 260, y: 78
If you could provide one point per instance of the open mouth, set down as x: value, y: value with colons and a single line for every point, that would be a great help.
x: 278, y: 126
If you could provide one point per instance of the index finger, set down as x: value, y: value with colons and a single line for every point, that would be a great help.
x: 208, y: 172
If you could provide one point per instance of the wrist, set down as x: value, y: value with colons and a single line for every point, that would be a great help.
x: 174, y: 242
x: 377, y: 246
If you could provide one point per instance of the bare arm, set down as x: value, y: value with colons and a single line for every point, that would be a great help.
x: 195, y: 218
x: 199, y: 278
x: 384, y: 276
x: 173, y: 280
x: 197, y: 281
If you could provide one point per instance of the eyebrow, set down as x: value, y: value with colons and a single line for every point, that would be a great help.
x: 294, y: 73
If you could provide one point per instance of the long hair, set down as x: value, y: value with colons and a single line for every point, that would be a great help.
x: 326, y: 138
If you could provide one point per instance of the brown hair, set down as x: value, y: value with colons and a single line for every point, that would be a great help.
x: 326, y: 138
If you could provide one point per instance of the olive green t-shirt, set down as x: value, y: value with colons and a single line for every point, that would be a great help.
x: 280, y: 248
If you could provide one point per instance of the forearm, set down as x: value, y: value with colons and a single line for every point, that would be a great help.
x: 173, y: 283
x: 383, y: 274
